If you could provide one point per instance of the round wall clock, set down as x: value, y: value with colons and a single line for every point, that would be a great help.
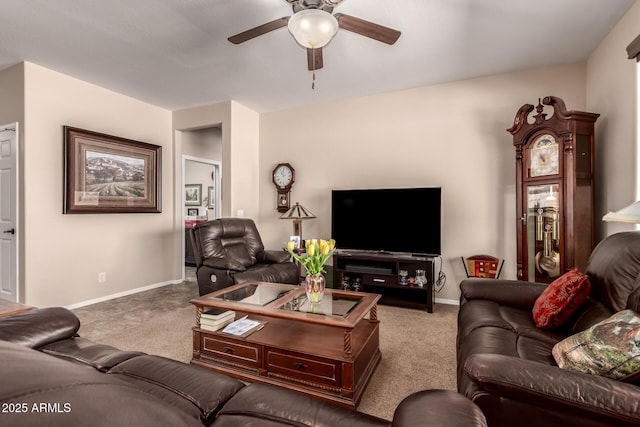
x: 283, y: 175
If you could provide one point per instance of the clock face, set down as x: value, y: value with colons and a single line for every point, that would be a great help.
x: 282, y: 176
x: 543, y: 156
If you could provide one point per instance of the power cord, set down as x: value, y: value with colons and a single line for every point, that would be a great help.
x: 441, y: 279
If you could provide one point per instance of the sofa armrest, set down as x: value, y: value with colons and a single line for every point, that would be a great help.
x: 513, y: 293
x: 555, y: 389
x: 273, y: 257
x: 42, y: 326
x: 437, y: 408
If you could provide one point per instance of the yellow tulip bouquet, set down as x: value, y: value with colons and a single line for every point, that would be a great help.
x: 317, y: 253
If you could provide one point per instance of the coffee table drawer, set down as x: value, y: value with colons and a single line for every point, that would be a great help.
x: 236, y: 352
x: 302, y: 367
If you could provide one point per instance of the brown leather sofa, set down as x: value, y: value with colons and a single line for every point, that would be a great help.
x: 52, y: 377
x: 230, y: 250
x: 505, y: 364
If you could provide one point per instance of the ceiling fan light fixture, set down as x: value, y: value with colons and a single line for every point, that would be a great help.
x: 313, y: 28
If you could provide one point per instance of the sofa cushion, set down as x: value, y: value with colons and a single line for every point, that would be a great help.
x: 614, y: 268
x: 35, y: 328
x: 232, y: 256
x: 55, y: 392
x: 560, y: 300
x: 610, y: 348
x: 238, y: 254
x: 196, y: 391
x: 588, y: 314
x: 83, y: 351
x: 266, y: 406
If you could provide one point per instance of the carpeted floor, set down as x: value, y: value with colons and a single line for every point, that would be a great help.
x: 418, y: 348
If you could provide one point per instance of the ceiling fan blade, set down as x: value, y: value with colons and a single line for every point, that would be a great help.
x: 314, y: 59
x: 368, y: 29
x: 259, y: 30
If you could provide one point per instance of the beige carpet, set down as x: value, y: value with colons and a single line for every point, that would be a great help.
x: 418, y: 348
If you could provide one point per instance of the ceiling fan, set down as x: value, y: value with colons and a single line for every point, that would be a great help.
x: 313, y: 26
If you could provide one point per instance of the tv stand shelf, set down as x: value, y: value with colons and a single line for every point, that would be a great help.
x: 378, y: 273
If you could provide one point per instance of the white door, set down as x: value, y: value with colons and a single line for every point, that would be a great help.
x: 8, y: 212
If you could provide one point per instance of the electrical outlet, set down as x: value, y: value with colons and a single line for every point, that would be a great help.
x: 102, y: 277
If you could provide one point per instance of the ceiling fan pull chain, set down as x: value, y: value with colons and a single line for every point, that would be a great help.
x: 313, y: 63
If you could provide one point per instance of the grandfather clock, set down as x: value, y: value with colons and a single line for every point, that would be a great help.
x: 554, y: 189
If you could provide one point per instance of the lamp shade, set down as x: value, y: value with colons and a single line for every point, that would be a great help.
x: 297, y: 211
x: 630, y: 214
x: 313, y: 28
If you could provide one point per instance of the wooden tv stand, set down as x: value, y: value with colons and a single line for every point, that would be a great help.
x: 379, y: 274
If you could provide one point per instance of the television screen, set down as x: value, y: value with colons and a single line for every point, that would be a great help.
x: 387, y: 219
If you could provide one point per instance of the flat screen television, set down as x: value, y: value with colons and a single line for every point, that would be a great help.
x: 387, y: 219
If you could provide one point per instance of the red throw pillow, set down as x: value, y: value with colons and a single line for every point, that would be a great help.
x: 558, y: 302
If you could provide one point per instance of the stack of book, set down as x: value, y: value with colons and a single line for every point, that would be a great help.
x: 213, y: 319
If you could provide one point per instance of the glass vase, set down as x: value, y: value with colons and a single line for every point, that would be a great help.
x: 314, y: 285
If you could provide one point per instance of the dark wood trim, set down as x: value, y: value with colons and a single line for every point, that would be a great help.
x: 633, y: 50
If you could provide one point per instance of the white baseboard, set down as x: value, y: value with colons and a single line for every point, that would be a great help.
x: 447, y: 301
x: 122, y: 294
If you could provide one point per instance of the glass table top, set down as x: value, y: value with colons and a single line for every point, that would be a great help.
x: 331, y: 305
x: 256, y: 293
x: 338, y: 308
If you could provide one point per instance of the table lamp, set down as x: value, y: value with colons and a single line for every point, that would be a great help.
x: 629, y: 214
x: 297, y: 213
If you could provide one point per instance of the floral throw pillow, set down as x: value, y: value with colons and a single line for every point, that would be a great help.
x: 561, y: 298
x: 610, y: 348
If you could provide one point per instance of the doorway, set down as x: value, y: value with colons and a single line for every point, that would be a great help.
x: 202, y: 197
x: 9, y: 288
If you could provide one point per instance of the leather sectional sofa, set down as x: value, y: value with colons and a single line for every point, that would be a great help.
x: 505, y: 363
x: 51, y: 376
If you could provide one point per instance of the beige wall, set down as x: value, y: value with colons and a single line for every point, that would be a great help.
x: 611, y: 91
x: 12, y: 87
x: 244, y: 161
x: 64, y: 253
x: 451, y: 135
x: 239, y: 135
x: 203, y: 143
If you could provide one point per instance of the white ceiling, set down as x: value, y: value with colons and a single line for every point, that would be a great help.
x: 175, y: 53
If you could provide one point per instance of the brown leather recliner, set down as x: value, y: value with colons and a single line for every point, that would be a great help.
x: 230, y: 250
x: 505, y: 363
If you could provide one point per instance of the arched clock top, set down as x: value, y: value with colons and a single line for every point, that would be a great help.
x: 562, y: 120
x: 521, y: 118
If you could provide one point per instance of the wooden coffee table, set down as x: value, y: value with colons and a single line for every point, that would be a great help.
x: 9, y: 308
x: 327, y: 350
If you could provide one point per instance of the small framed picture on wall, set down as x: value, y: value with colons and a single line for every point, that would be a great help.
x: 192, y: 211
x: 193, y: 194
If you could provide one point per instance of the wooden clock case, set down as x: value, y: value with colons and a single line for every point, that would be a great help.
x: 554, y: 238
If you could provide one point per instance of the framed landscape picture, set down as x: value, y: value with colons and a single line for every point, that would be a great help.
x: 193, y: 194
x: 109, y: 174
